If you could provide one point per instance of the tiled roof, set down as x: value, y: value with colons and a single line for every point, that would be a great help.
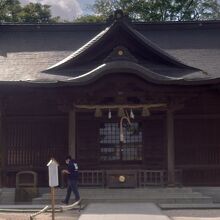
x: 25, y: 55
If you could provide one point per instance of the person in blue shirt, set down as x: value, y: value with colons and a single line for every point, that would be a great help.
x: 72, y: 172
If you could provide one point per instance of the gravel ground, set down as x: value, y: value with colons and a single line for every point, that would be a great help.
x: 68, y: 215
x: 194, y: 214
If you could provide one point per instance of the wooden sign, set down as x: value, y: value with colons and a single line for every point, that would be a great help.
x: 53, y: 173
x: 53, y: 181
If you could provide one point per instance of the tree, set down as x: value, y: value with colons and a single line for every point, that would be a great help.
x: 12, y: 11
x: 36, y: 13
x: 90, y: 19
x: 160, y: 10
x: 9, y: 10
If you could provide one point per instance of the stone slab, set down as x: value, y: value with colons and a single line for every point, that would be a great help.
x: 190, y: 206
x: 122, y: 211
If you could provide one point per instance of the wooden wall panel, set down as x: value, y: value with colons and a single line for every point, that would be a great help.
x: 197, y: 149
x: 197, y: 141
x: 87, y: 141
x: 31, y: 141
x: 154, y: 148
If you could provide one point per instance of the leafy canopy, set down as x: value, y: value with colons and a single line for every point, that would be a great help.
x: 137, y: 10
x: 13, y: 11
x: 159, y: 10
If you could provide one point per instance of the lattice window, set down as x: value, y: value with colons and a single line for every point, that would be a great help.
x: 112, y: 149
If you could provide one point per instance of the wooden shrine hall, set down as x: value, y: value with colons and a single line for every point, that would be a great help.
x: 137, y: 104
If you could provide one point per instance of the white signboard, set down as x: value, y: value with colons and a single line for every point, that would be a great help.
x: 53, y: 173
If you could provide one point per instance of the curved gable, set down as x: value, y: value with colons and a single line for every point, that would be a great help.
x: 117, y: 44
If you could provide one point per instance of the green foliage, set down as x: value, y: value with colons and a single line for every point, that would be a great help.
x: 9, y: 10
x: 90, y: 19
x: 12, y: 11
x: 160, y: 10
x: 138, y: 10
x: 35, y: 13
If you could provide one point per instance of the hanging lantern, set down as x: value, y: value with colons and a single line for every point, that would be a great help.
x: 98, y: 113
x: 145, y: 112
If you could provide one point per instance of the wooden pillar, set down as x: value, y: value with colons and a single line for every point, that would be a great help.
x: 72, y: 133
x: 170, y: 148
x: 1, y: 150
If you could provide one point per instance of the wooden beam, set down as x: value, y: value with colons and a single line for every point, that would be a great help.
x: 1, y: 149
x: 72, y: 133
x: 116, y: 106
x: 170, y: 148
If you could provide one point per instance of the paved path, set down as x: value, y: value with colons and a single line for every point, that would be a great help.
x: 193, y: 214
x: 122, y: 211
x: 183, y: 214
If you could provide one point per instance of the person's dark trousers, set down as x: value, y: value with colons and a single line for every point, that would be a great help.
x: 72, y: 186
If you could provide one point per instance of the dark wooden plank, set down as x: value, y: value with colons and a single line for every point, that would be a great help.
x: 170, y: 148
x: 154, y: 156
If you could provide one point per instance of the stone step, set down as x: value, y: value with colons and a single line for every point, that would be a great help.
x: 154, y: 200
x: 206, y: 188
x: 134, y: 197
x: 189, y: 206
x: 158, y: 195
x: 7, y: 196
x: 125, y: 191
x: 193, y: 195
x: 153, y: 189
x: 122, y: 192
x: 213, y: 192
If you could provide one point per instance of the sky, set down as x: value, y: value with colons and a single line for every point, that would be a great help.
x: 66, y: 9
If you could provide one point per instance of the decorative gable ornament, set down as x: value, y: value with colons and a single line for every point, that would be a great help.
x: 120, y: 53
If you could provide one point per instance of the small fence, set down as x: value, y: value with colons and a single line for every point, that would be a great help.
x: 144, y: 177
x: 99, y: 178
x: 151, y: 177
x: 92, y: 178
x: 156, y: 177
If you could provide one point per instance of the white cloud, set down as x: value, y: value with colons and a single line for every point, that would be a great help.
x: 66, y: 9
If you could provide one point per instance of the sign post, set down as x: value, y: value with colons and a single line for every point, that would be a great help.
x: 53, y: 181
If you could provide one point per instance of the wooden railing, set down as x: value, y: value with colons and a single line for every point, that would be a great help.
x: 91, y: 178
x: 33, y: 160
x: 156, y: 177
x: 145, y: 178
x: 151, y: 178
x: 98, y: 178
x: 87, y: 178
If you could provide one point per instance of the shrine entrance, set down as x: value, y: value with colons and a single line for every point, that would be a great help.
x: 123, y: 133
